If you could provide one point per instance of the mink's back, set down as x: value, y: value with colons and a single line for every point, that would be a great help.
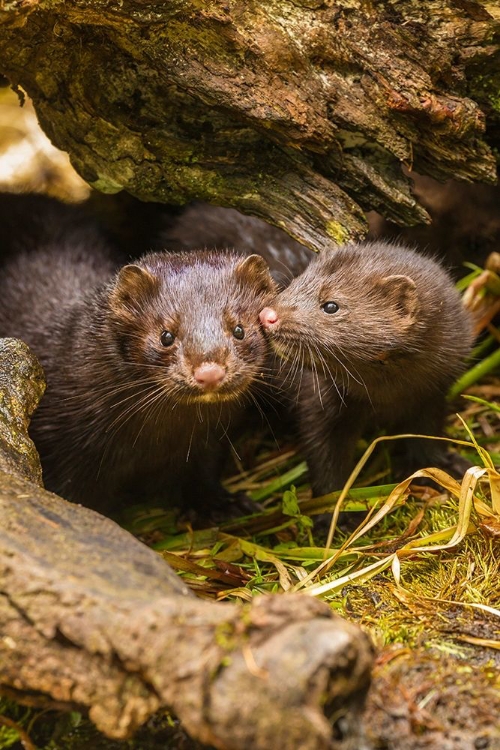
x: 51, y: 254
x: 30, y: 221
x: 201, y: 225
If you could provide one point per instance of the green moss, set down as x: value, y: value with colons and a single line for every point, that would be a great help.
x: 483, y: 80
x: 225, y: 636
x: 487, y: 88
x: 53, y: 730
x: 106, y: 185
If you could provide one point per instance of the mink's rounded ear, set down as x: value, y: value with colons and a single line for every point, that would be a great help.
x: 401, y: 295
x: 132, y: 286
x: 253, y: 270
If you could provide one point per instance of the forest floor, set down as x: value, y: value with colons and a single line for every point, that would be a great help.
x: 418, y: 571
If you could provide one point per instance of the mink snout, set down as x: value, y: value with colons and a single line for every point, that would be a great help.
x: 269, y: 317
x: 209, y: 375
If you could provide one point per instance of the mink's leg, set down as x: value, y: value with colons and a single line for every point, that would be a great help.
x: 204, y: 497
x: 330, y: 427
x: 202, y: 488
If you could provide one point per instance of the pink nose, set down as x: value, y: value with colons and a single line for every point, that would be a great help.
x: 268, y: 317
x: 209, y: 375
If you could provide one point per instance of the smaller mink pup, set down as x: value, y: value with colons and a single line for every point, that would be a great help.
x: 147, y: 368
x: 383, y: 333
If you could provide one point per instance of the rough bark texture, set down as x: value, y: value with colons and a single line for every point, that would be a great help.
x: 91, y: 617
x: 298, y: 111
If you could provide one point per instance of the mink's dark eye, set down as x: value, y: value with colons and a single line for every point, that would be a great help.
x: 167, y: 338
x: 330, y: 307
x: 238, y: 332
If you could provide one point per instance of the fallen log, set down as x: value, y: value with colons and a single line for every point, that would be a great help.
x: 93, y: 619
x: 298, y: 111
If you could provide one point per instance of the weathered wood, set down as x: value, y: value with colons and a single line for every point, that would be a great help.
x: 298, y: 111
x: 90, y: 617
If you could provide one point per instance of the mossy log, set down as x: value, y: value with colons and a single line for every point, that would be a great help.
x: 298, y: 111
x: 91, y: 618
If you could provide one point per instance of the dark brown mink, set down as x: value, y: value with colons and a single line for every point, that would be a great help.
x: 203, y: 225
x: 382, y: 333
x: 148, y: 368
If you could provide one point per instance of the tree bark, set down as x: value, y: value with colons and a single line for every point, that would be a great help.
x: 90, y: 617
x: 298, y: 111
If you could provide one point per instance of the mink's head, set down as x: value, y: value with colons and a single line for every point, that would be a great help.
x: 189, y: 322
x: 343, y: 310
